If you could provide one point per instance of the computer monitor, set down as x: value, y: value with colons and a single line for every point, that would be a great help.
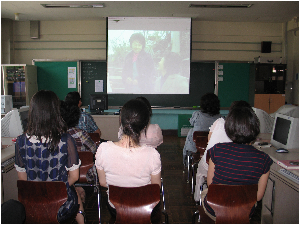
x: 11, y: 124
x: 285, y: 132
x: 99, y: 102
x: 23, y: 111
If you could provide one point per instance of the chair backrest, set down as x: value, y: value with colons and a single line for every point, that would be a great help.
x: 134, y: 204
x: 200, y: 138
x: 232, y: 203
x: 87, y: 161
x: 95, y: 137
x: 42, y: 199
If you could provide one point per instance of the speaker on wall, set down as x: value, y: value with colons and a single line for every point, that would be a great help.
x: 266, y: 46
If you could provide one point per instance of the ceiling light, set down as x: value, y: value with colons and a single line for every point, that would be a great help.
x: 17, y: 16
x: 221, y: 6
x: 72, y: 6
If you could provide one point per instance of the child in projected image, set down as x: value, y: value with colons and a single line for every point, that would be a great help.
x: 139, y: 70
x: 171, y: 81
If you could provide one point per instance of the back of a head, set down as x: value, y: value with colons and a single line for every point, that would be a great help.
x: 134, y: 118
x: 73, y: 98
x: 145, y: 100
x: 70, y: 114
x: 210, y: 104
x: 242, y: 125
x: 240, y: 103
x: 44, y: 118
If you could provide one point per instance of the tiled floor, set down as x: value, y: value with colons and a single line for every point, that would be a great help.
x: 180, y: 204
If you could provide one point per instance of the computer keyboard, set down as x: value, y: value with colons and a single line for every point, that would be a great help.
x: 289, y: 175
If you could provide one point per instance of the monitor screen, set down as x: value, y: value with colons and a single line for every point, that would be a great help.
x: 281, y: 130
x: 23, y: 111
x: 99, y: 102
x: 285, y: 133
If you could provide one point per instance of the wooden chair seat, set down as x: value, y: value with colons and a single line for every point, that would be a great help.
x: 87, y: 162
x: 134, y: 204
x: 42, y: 200
x: 96, y: 138
x: 232, y: 203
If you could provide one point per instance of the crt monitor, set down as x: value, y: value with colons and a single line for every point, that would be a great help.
x: 23, y: 111
x: 11, y: 124
x: 285, y: 132
x: 99, y: 102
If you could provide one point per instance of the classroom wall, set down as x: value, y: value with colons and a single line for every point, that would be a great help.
x: 211, y: 41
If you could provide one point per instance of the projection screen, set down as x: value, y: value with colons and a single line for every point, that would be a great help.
x: 148, y: 55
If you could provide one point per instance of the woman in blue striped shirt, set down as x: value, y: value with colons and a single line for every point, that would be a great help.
x: 238, y: 162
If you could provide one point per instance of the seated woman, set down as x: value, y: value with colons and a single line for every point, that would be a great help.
x: 152, y: 136
x: 86, y: 121
x: 71, y: 115
x: 238, y: 162
x: 126, y: 163
x: 202, y: 120
x: 216, y: 135
x: 47, y: 144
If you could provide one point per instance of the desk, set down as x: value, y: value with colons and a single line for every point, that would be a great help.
x: 280, y: 203
x: 9, y: 179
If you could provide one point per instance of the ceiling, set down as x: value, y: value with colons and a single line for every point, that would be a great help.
x: 260, y: 11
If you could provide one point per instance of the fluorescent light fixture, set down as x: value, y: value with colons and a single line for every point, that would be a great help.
x: 220, y: 6
x: 98, y: 5
x: 17, y: 16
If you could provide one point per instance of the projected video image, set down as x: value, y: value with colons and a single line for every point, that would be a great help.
x: 148, y: 56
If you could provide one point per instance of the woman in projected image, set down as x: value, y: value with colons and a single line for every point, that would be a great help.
x: 171, y: 81
x: 138, y: 71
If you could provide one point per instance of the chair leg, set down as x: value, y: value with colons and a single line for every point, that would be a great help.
x: 99, y: 205
x: 194, y: 216
x: 193, y: 165
x: 188, y: 167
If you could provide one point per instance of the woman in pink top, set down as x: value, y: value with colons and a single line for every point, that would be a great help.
x: 152, y: 136
x: 126, y: 163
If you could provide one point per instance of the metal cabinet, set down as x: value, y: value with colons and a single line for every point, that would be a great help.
x: 20, y: 81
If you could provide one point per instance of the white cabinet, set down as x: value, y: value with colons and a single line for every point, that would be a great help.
x: 281, y: 200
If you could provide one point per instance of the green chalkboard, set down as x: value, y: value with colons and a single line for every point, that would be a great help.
x: 235, y: 84
x: 91, y: 71
x: 54, y: 76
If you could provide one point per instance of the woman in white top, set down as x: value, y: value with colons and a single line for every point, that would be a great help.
x: 126, y: 163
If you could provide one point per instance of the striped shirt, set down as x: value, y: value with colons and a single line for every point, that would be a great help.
x: 83, y: 140
x: 237, y: 164
x: 87, y: 123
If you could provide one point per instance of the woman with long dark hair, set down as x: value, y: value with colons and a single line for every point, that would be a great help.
x: 47, y: 153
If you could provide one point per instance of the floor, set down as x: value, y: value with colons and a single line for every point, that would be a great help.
x: 180, y: 204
